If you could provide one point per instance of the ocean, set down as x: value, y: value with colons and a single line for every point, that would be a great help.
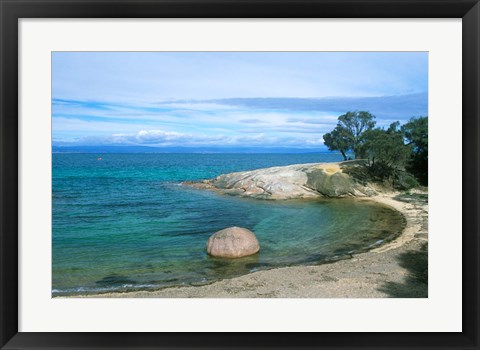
x: 125, y: 221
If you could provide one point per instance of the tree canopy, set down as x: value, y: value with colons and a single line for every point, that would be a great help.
x: 416, y: 135
x: 390, y: 152
x: 349, y: 133
x: 386, y: 151
x: 337, y: 140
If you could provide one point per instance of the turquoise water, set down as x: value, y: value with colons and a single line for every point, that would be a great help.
x: 126, y: 223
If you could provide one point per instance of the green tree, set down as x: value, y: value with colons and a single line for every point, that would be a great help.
x: 336, y: 140
x: 416, y: 135
x: 386, y: 152
x: 349, y: 133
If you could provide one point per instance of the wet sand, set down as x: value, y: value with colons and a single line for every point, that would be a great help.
x: 396, y: 269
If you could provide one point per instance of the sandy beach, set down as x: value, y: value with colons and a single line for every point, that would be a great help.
x: 396, y: 269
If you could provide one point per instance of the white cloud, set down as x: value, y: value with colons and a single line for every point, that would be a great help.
x: 160, y: 138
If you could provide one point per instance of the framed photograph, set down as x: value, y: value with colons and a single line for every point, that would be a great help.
x: 237, y: 174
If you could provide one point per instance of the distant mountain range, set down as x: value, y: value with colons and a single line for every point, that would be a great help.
x: 146, y: 149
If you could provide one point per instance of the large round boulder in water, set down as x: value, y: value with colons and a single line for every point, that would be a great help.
x: 232, y: 242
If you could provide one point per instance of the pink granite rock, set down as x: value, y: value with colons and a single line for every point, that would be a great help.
x: 232, y: 242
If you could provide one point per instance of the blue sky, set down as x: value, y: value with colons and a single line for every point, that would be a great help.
x: 228, y: 99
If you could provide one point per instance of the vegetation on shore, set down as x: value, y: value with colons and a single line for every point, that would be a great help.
x: 397, y: 154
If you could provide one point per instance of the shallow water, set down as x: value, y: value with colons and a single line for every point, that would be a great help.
x: 126, y: 223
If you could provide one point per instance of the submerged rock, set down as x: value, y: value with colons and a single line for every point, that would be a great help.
x: 232, y: 242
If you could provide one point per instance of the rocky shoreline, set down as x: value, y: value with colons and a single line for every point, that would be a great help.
x: 332, y: 180
x: 398, y: 268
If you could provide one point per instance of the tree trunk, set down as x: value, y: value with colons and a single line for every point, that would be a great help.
x: 344, y: 155
x: 357, y: 155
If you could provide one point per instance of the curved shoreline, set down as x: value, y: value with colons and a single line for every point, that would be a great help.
x: 389, y: 270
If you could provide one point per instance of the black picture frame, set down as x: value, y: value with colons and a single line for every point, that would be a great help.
x: 13, y: 10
